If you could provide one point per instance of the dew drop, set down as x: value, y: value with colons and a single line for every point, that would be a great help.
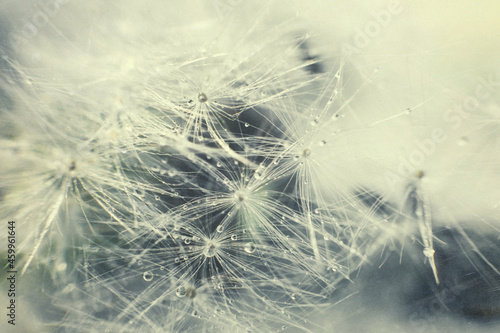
x: 234, y: 237
x: 190, y: 293
x: 181, y: 292
x: 250, y: 247
x: 61, y: 267
x: 220, y: 228
x: 147, y: 276
x: 241, y: 197
x: 247, y: 124
x: 187, y: 241
x: 202, y: 98
x: 210, y: 250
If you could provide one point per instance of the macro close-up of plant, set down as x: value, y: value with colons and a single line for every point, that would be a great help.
x: 249, y: 166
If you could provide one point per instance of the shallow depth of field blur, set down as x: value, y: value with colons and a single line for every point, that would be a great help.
x: 251, y: 166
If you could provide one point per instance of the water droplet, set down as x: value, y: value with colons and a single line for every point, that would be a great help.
x: 147, y: 276
x: 234, y: 237
x: 250, y: 247
x: 306, y: 152
x: 247, y: 124
x: 190, y: 293
x: 187, y: 240
x: 181, y: 292
x: 220, y: 228
x: 293, y: 296
x: 210, y: 250
x: 202, y: 98
x: 241, y: 197
x: 61, y: 267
